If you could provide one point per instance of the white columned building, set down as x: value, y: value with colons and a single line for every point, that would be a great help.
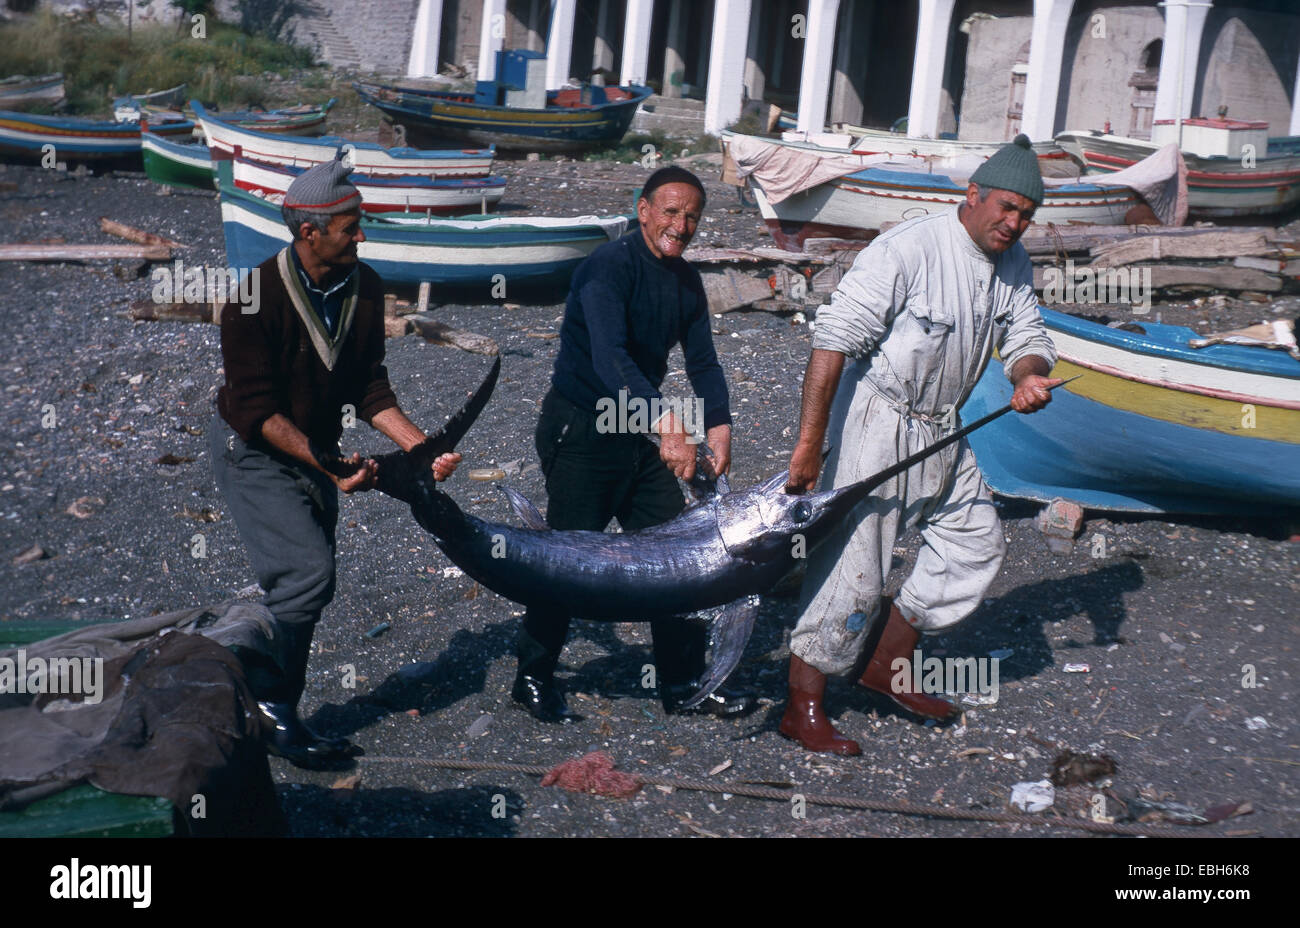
x: 491, y: 38
x: 818, y: 55
x: 424, y: 42
x: 1184, y: 23
x: 722, y: 99
x: 636, y: 41
x: 933, y: 19
x: 1043, y: 82
x: 559, y: 43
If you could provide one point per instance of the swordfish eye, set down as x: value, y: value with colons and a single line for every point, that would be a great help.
x: 801, y: 512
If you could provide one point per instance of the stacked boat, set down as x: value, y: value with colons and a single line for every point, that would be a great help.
x: 808, y: 190
x: 1233, y: 167
x: 27, y: 136
x: 390, y: 179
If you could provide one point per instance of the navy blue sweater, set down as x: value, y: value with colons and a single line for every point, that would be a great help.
x: 626, y: 310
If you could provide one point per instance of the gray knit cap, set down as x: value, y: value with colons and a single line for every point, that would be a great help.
x: 323, y: 189
x: 1013, y: 167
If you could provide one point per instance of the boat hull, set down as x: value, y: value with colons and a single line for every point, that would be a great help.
x: 452, y: 252
x: 1216, y: 187
x: 175, y: 164
x: 871, y: 141
x: 370, y: 159
x: 27, y: 136
x: 444, y: 196
x: 431, y: 115
x: 857, y: 205
x: 1152, y: 426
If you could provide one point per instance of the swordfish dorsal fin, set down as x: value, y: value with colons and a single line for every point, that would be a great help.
x: 526, y: 511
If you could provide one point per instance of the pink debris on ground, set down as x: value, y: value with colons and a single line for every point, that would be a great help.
x: 593, y: 773
x: 1061, y: 518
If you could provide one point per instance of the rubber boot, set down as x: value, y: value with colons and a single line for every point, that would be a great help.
x: 804, y: 721
x: 899, y: 639
x: 535, y: 688
x: 290, y: 737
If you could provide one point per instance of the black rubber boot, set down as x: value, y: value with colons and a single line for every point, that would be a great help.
x: 278, y: 700
x: 535, y: 688
x: 679, y: 646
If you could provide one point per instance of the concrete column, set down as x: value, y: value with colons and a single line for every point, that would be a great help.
x: 603, y: 53
x: 491, y: 38
x: 722, y: 99
x: 933, y: 19
x: 755, y: 76
x: 559, y: 43
x: 674, y: 47
x: 424, y: 42
x: 1184, y: 23
x: 636, y: 41
x: 1043, y: 82
x: 1295, y: 105
x: 818, y: 53
x: 533, y: 39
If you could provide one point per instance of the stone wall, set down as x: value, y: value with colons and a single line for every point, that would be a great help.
x: 1248, y: 63
x: 1101, y: 55
x: 994, y: 46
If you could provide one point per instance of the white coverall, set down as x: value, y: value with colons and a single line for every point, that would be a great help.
x: 918, y: 316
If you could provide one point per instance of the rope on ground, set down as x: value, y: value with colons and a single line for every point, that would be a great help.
x: 896, y: 806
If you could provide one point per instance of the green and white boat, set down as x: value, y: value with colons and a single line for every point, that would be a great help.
x: 176, y: 164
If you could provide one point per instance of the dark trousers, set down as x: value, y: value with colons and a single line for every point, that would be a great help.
x: 591, y: 478
x: 286, y: 513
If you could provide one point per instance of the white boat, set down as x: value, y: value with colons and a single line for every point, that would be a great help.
x: 362, y: 156
x: 839, y: 202
x: 876, y: 141
x: 1224, y: 177
x: 380, y: 194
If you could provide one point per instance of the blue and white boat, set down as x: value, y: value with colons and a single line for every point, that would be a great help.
x: 26, y: 135
x: 471, y: 252
x: 1154, y: 425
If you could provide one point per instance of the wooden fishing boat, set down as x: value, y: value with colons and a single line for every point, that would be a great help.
x: 178, y: 164
x: 1153, y: 425
x: 471, y: 252
x: 26, y: 135
x: 379, y: 194
x: 271, y: 148
x: 873, y: 141
x: 536, y: 120
x: 20, y: 92
x: 892, y: 188
x: 1223, y: 178
x: 303, y: 119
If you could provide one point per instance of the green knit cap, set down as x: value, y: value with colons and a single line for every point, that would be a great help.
x: 1013, y: 167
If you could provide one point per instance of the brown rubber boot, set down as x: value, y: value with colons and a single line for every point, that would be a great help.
x: 804, y: 721
x: 898, y: 639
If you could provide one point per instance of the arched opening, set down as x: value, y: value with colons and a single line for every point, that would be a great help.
x: 1143, y: 102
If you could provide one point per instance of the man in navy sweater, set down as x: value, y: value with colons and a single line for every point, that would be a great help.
x: 630, y: 303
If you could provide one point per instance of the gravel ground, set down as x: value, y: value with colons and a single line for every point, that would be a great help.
x: 1167, y: 620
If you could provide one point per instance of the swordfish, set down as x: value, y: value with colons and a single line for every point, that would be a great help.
x: 722, y: 550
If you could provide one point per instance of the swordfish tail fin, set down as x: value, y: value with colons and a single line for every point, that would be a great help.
x: 400, y: 470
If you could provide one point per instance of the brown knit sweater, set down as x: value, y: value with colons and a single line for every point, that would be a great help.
x: 272, y: 366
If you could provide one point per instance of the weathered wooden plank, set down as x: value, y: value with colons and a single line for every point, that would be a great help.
x: 24, y: 252
x: 1207, y: 245
x: 1164, y: 276
x: 149, y: 311
x: 729, y: 289
x: 132, y: 234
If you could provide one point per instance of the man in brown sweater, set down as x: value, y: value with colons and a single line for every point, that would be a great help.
x: 307, y: 358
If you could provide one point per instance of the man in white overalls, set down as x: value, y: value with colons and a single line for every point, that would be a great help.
x: 918, y: 316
